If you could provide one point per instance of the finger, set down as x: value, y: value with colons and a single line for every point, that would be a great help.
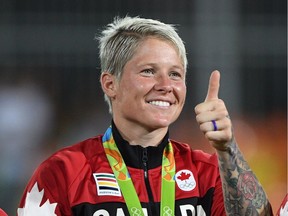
x: 212, y: 110
x: 218, y: 138
x: 204, y: 107
x: 214, y: 84
x: 222, y: 124
x: 208, y: 126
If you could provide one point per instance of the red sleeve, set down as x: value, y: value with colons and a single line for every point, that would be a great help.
x: 218, y: 207
x: 211, y: 177
x: 47, y: 191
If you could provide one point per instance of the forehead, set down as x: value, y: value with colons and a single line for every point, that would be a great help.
x: 172, y: 44
x: 156, y: 53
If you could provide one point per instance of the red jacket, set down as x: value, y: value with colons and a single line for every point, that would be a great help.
x: 78, y: 180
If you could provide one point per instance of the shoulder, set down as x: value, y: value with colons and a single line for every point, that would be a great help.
x: 69, y: 161
x: 197, y: 156
x: 86, y: 148
x: 54, y: 177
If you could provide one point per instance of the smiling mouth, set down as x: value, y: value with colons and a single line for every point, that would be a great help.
x: 160, y: 103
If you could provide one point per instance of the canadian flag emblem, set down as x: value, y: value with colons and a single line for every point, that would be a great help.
x: 33, y: 205
x: 185, y: 180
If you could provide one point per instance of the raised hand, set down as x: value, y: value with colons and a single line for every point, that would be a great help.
x: 212, y: 116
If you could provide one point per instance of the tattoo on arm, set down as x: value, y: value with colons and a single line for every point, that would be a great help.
x: 243, y: 194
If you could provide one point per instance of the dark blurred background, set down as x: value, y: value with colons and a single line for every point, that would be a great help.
x: 50, y: 95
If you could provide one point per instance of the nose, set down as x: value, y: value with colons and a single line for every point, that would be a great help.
x: 163, y: 84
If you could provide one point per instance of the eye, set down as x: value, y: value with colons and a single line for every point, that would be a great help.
x: 175, y: 75
x: 147, y: 72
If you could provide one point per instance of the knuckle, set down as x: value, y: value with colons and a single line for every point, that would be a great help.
x: 198, y: 109
x: 198, y: 118
x: 226, y: 123
x: 227, y: 135
x: 220, y: 103
x: 202, y: 128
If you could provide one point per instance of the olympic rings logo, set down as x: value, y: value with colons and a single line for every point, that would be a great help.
x: 187, y: 185
x: 167, y: 211
x: 136, y: 212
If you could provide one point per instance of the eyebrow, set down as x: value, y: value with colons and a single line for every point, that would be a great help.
x: 156, y: 66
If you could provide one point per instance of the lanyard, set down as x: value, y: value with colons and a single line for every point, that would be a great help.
x: 126, y: 185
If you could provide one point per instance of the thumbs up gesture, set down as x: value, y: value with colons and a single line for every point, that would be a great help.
x: 212, y: 116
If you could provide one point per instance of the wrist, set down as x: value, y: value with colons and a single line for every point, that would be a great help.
x: 229, y: 147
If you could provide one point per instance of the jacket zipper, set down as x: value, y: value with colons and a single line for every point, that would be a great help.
x: 149, y: 190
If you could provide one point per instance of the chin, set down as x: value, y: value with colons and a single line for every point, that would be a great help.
x: 162, y: 123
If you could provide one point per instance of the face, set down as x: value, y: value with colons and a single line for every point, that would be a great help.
x: 151, y: 92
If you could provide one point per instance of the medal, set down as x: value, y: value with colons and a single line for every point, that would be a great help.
x: 167, y: 205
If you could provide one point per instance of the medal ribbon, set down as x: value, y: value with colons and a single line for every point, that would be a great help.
x: 167, y: 205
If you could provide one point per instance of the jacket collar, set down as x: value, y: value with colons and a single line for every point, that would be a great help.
x: 133, y: 154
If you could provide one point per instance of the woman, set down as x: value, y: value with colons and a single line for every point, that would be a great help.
x: 135, y: 168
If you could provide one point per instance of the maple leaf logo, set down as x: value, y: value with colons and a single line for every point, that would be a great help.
x: 32, y: 204
x: 184, y: 176
x: 185, y: 180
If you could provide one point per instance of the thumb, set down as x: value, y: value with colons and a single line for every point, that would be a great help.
x: 214, y: 84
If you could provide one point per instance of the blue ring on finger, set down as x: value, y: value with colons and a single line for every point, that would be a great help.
x: 215, y: 128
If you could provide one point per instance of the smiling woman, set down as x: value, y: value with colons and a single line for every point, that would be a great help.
x: 157, y: 76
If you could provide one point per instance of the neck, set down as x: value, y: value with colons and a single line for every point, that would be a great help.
x: 141, y: 135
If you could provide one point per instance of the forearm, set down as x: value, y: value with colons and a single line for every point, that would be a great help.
x: 243, y: 194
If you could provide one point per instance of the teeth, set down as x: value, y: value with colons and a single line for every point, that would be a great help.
x: 160, y: 103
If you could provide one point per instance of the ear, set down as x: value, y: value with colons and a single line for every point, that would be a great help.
x: 108, y: 83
